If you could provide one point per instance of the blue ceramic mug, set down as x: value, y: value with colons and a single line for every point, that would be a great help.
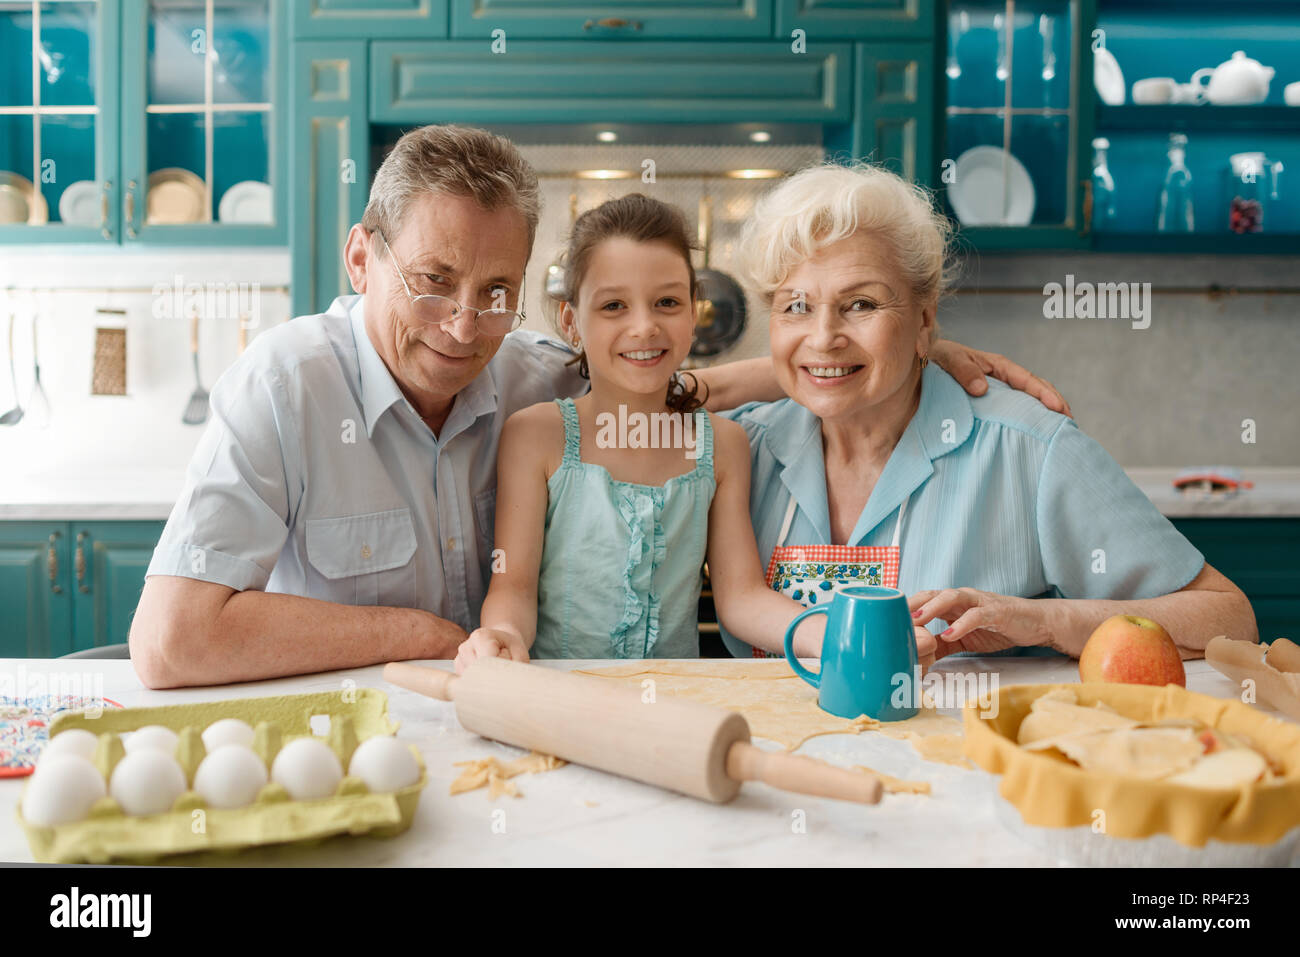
x: 868, y: 643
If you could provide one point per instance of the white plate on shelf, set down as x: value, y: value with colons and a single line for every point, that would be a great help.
x: 79, y: 205
x: 19, y: 201
x: 247, y: 202
x: 1108, y: 77
x: 977, y: 195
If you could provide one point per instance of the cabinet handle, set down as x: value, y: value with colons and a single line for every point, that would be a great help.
x: 613, y: 23
x: 52, y: 564
x: 80, y: 563
x: 103, y: 210
x: 130, y: 209
x: 1086, y: 226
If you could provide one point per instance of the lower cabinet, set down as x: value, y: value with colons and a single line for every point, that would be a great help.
x: 1262, y: 557
x: 69, y: 586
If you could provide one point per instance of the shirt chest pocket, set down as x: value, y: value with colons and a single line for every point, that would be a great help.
x: 366, y: 559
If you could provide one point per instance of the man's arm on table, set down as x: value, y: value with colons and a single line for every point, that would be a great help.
x: 189, y: 632
x: 732, y: 384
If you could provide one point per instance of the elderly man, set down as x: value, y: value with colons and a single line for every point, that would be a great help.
x: 339, y: 509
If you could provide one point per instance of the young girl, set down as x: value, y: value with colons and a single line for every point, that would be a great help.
x: 608, y: 505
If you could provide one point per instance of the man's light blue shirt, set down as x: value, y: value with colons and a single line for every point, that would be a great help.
x: 1006, y: 496
x: 316, y: 477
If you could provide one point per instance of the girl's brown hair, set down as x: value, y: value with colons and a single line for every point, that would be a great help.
x: 643, y: 220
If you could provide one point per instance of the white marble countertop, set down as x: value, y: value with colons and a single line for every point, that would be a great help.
x: 148, y: 495
x: 578, y: 816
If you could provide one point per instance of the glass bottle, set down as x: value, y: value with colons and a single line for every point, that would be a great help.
x: 1104, y: 209
x: 1175, y: 213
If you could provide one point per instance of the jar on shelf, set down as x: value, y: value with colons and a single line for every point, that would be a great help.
x: 1252, y: 186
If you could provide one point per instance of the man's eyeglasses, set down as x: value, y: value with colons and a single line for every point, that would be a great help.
x: 440, y: 309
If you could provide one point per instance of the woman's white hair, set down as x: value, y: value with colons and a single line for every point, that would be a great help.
x: 820, y: 205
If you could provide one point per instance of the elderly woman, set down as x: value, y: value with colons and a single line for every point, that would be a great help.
x: 994, y: 514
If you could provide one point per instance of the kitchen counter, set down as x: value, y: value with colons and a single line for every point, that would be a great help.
x: 578, y: 816
x: 145, y: 495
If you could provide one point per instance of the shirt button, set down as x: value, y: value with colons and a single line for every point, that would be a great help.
x: 451, y: 543
x: 365, y: 551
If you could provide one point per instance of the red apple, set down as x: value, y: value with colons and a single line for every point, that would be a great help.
x: 1127, y: 649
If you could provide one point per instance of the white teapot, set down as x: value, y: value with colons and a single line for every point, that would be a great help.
x: 1239, y: 81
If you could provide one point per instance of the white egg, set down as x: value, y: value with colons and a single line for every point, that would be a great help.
x: 147, y: 781
x: 385, y: 764
x: 76, y: 741
x: 307, y: 769
x: 227, y: 731
x: 61, y: 790
x: 153, y: 736
x: 230, y: 776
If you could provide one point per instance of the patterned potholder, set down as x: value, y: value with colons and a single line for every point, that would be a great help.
x: 25, y: 727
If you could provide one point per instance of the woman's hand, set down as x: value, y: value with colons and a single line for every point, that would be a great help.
x: 490, y: 643
x: 926, y: 647
x: 969, y: 367
x: 981, y: 621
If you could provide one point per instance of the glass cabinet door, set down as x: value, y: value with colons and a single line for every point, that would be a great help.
x: 200, y: 144
x: 1013, y: 121
x: 58, y: 121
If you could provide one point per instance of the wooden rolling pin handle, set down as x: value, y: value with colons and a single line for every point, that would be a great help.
x: 794, y: 772
x: 431, y: 682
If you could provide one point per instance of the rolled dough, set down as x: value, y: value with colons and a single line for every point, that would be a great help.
x: 780, y: 706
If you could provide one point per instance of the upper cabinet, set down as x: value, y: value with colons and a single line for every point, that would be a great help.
x: 59, y: 122
x: 655, y: 19
x: 155, y: 121
x: 856, y: 19
x: 1016, y: 118
x: 353, y: 19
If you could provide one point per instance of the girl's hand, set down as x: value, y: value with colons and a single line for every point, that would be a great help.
x: 981, y: 621
x: 969, y: 367
x: 489, y: 643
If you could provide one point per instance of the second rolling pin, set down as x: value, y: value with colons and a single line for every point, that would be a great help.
x: 669, y: 742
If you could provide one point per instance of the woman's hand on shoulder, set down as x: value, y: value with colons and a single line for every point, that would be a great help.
x: 981, y: 621
x: 489, y: 643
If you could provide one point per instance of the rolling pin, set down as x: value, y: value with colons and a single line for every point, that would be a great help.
x: 672, y: 743
x: 1242, y: 660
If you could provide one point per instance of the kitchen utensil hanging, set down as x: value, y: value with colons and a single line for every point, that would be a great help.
x: 38, y: 403
x: 720, y: 300
x: 196, y: 411
x: 14, y: 415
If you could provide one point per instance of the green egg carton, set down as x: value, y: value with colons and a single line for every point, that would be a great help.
x: 109, y: 835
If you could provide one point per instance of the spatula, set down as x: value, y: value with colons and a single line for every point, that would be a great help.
x: 38, y: 403
x: 196, y: 413
x: 14, y: 415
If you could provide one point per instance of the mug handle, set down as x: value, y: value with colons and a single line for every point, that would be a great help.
x: 1206, y: 72
x: 813, y: 679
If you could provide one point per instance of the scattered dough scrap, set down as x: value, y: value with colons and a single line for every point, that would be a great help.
x: 893, y: 785
x: 495, y: 776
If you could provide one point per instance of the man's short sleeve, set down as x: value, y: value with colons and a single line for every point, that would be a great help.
x: 232, y: 518
x: 1100, y: 535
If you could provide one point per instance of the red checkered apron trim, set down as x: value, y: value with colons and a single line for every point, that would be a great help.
x: 862, y: 564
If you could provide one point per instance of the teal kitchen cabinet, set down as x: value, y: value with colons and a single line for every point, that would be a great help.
x: 894, y: 94
x: 35, y: 590
x: 570, y: 81
x: 651, y: 19
x: 59, y: 124
x: 144, y: 121
x: 109, y: 560
x: 368, y: 19
x: 330, y: 150
x: 69, y: 586
x: 1262, y: 557
x: 856, y: 19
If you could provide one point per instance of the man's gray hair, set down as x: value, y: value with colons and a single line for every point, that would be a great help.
x: 455, y: 161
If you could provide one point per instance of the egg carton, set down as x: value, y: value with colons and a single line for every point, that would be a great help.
x: 191, y: 826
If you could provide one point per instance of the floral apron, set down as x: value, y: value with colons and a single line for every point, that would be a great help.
x: 812, y: 574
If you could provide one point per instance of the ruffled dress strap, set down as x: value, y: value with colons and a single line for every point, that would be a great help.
x: 703, y: 441
x: 572, y: 433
